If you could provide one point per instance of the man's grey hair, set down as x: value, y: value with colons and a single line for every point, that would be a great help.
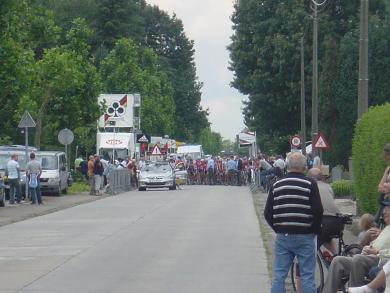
x: 296, y: 161
x: 315, y: 173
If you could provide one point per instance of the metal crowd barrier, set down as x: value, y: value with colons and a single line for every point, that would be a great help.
x: 256, y: 185
x: 118, y: 180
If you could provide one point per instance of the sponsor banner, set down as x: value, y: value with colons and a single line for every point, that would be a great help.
x: 247, y: 138
x: 143, y: 138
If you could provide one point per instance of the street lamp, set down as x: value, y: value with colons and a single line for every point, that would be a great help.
x: 314, y: 90
x: 363, y: 59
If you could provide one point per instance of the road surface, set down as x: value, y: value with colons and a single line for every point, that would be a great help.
x: 200, y: 239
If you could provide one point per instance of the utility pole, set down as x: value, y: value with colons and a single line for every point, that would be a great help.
x: 303, y: 104
x: 314, y: 91
x: 363, y: 60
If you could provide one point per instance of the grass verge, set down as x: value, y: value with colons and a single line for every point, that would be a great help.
x: 78, y: 187
x: 264, y: 230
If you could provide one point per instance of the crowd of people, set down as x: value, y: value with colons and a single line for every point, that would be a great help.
x: 301, y: 211
x: 96, y: 171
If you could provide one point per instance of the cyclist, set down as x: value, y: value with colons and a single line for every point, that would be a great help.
x: 231, y: 169
x: 191, y: 172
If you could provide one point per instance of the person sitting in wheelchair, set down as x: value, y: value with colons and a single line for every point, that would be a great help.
x: 356, y: 268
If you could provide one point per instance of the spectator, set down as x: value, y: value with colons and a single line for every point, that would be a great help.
x: 84, y: 169
x: 98, y: 173
x: 294, y: 212
x: 239, y: 169
x: 265, y: 169
x: 33, y: 172
x: 358, y: 266
x: 384, y: 184
x: 13, y: 174
x: 309, y: 161
x: 317, y: 162
x: 91, y: 176
x: 329, y: 222
x: 380, y: 280
x: 106, y: 170
x: 368, y: 229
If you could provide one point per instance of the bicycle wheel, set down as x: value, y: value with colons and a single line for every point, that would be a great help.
x: 351, y: 250
x: 319, y: 275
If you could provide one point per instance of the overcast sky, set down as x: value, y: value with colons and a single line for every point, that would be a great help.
x: 207, y: 22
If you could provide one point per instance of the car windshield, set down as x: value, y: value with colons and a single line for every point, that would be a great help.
x: 4, y: 158
x: 48, y: 162
x: 158, y: 168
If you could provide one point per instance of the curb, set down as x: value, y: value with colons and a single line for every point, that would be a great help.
x: 53, y: 210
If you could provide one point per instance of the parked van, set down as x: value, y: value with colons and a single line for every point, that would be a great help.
x: 55, y: 177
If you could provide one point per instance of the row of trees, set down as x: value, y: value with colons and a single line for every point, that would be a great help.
x: 265, y: 59
x: 56, y: 57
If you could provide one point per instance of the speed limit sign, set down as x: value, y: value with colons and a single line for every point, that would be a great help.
x: 296, y: 141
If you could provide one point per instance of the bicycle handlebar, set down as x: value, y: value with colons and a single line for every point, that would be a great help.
x: 346, y: 218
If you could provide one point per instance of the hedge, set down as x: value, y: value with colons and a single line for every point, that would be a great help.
x: 372, y: 132
x: 343, y: 188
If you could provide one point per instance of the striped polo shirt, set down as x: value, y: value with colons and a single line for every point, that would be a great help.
x: 294, y: 205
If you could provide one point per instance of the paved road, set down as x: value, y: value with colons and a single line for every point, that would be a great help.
x: 201, y: 239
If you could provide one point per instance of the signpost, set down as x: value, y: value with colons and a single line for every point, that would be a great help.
x: 321, y: 143
x: 66, y: 137
x: 295, y: 141
x: 26, y: 122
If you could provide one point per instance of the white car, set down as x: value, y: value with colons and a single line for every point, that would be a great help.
x: 156, y: 175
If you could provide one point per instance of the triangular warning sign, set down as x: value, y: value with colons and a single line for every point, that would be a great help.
x: 321, y: 142
x: 26, y: 121
x: 156, y: 150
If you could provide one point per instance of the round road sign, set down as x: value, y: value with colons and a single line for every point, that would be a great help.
x: 65, y: 136
x: 295, y: 141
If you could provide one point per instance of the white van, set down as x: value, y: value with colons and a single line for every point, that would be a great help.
x: 54, y: 176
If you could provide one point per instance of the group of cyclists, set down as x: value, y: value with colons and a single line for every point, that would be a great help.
x: 230, y: 170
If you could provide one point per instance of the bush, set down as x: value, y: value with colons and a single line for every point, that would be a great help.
x: 343, y: 188
x: 372, y: 132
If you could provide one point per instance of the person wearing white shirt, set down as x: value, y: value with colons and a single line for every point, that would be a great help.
x: 13, y: 171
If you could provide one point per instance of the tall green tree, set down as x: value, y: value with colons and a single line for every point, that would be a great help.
x: 66, y: 87
x: 211, y: 142
x: 265, y: 62
x: 165, y: 35
x: 16, y: 63
x: 117, y: 19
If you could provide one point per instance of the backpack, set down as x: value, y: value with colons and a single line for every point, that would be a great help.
x: 33, y: 182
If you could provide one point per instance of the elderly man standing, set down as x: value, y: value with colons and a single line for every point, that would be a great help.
x: 294, y: 212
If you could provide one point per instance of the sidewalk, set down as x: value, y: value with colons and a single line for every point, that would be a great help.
x: 15, y: 213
